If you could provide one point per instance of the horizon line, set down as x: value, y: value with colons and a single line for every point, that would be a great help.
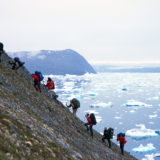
x: 124, y: 62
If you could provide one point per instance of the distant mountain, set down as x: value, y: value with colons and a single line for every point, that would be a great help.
x: 143, y: 68
x: 55, y: 62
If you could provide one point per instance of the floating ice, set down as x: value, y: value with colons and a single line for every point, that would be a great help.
x: 153, y: 116
x: 153, y: 98
x: 132, y: 111
x: 134, y: 103
x: 103, y: 105
x: 141, y: 132
x: 148, y: 148
x: 124, y: 89
x: 98, y: 119
x: 151, y: 156
x: 116, y: 117
x: 91, y: 94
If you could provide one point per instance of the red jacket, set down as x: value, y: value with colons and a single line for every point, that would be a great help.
x: 36, y: 78
x: 89, y: 121
x: 121, y: 140
x: 50, y: 84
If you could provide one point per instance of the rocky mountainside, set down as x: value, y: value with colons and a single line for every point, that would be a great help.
x: 55, y: 62
x: 35, y: 127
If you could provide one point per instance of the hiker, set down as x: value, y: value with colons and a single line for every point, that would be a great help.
x: 89, y: 124
x: 122, y: 141
x: 75, y: 104
x: 106, y: 136
x: 1, y: 51
x: 50, y: 84
x: 37, y: 81
x: 16, y: 63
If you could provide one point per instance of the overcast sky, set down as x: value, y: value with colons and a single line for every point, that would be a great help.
x: 100, y: 30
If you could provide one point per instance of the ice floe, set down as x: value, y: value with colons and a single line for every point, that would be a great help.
x: 148, y: 148
x: 153, y: 98
x: 98, y: 119
x: 141, y: 132
x: 153, y: 116
x: 134, y: 103
x: 151, y: 156
x: 132, y: 111
x: 117, y: 117
x: 103, y: 105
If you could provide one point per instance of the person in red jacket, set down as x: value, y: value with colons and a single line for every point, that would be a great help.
x: 89, y: 124
x: 36, y: 82
x: 50, y: 84
x: 122, y: 141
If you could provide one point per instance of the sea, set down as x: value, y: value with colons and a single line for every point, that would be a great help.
x: 127, y: 102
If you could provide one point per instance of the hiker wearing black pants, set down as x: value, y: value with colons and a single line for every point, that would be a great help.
x: 122, y: 141
x: 106, y: 136
x: 1, y: 51
x: 89, y: 124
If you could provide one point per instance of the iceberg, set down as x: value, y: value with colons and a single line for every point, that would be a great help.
x: 153, y: 116
x: 103, y: 105
x: 117, y: 117
x: 151, y: 156
x: 153, y: 98
x: 148, y: 148
x: 134, y: 103
x: 141, y: 132
x: 98, y: 119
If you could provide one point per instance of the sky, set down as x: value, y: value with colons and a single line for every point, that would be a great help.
x: 100, y: 30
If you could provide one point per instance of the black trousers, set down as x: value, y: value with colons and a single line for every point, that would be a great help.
x: 37, y: 86
x: 122, y: 149
x: 108, y: 139
x: 89, y: 128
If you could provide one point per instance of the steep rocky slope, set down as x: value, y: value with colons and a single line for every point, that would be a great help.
x: 35, y: 127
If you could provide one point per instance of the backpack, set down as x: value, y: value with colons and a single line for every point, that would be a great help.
x: 17, y: 59
x: 53, y: 84
x: 39, y: 74
x: 76, y: 103
x: 120, y: 135
x: 110, y: 132
x: 93, y: 118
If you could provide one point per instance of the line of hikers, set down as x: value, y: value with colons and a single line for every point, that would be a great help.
x: 91, y: 120
x: 74, y: 103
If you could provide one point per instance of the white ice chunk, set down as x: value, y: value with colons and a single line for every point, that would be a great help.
x: 91, y: 94
x: 103, y: 105
x: 149, y: 147
x: 153, y: 98
x: 151, y: 156
x: 141, y: 132
x: 134, y: 103
x: 153, y: 116
x: 117, y: 117
x: 132, y: 111
x: 98, y: 119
